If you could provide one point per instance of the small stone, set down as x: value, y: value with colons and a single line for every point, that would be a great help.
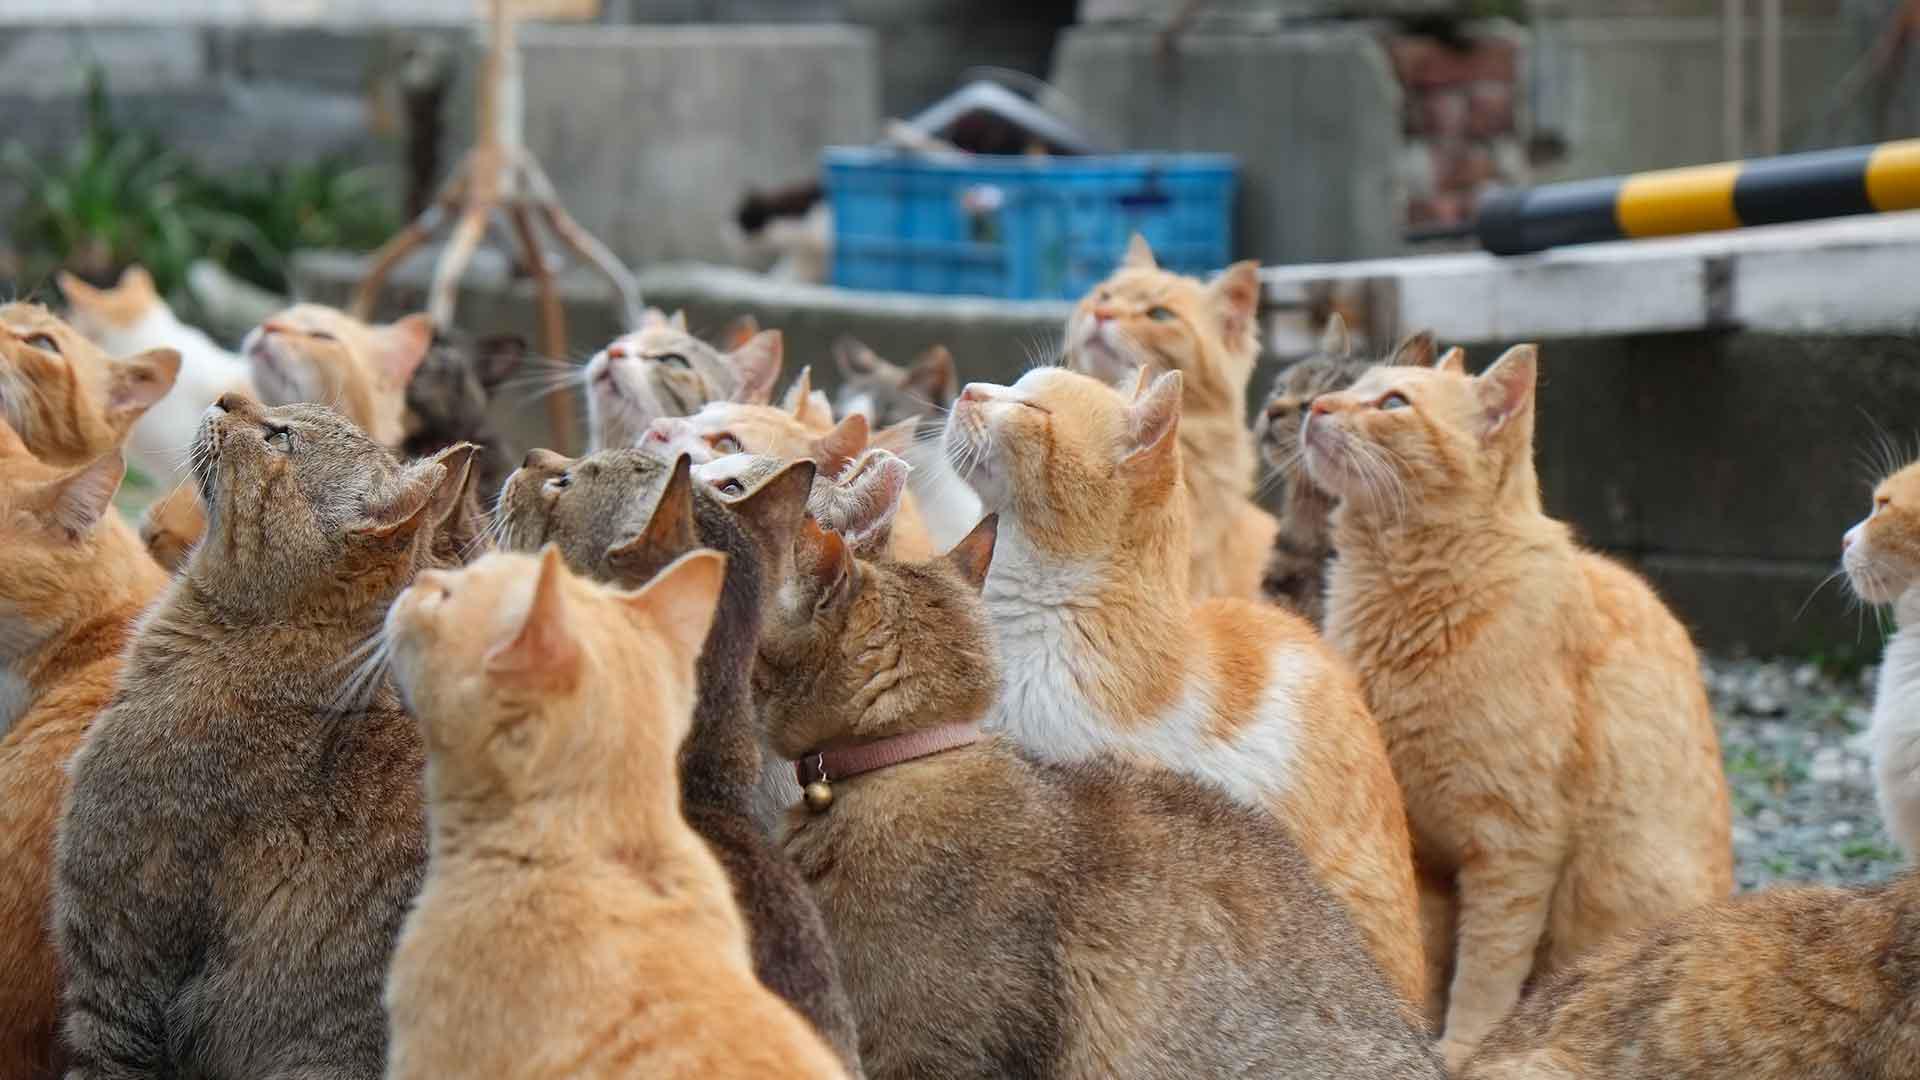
x: 1744, y: 836
x: 1772, y: 733
x: 1840, y: 830
x: 1859, y: 718
x: 1860, y: 745
x: 1869, y: 677
x: 1828, y: 766
x: 1806, y: 677
x: 1768, y: 820
x: 1762, y: 703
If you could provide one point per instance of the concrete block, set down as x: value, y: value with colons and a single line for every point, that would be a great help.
x: 1121, y: 11
x: 51, y: 62
x: 1314, y: 116
x: 653, y: 134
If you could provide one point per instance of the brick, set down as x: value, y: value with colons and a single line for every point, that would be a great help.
x: 1424, y: 63
x: 1488, y: 109
x: 1494, y: 59
x: 1443, y: 113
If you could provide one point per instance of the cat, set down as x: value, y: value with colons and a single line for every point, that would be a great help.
x: 794, y: 431
x: 1103, y: 651
x: 888, y: 395
x: 245, y: 829
x: 1000, y: 915
x: 571, y: 924
x: 859, y: 504
x: 447, y: 401
x: 1543, y: 709
x: 619, y: 515
x: 316, y: 354
x: 1804, y: 983
x: 1143, y: 316
x: 73, y: 580
x: 132, y: 317
x: 1881, y: 558
x: 790, y: 227
x: 1296, y: 569
x: 69, y: 401
x: 661, y: 370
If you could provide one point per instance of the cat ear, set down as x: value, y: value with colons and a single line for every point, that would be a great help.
x: 855, y: 359
x: 540, y: 652
x: 652, y: 316
x: 832, y: 451
x: 77, y: 292
x: 774, y: 510
x: 821, y: 558
x: 1414, y: 350
x: 136, y: 281
x: 1453, y: 360
x: 758, y: 364
x: 76, y: 502
x: 738, y: 332
x: 400, y: 346
x: 423, y: 495
x: 1336, y: 343
x: 1235, y: 293
x: 134, y: 384
x: 452, y: 493
x: 796, y: 400
x: 1154, y: 417
x: 496, y: 357
x: 1142, y: 378
x: 865, y: 500
x: 896, y: 438
x: 669, y: 532
x: 1505, y: 390
x: 679, y: 320
x: 973, y: 555
x: 933, y: 378
x: 1139, y: 256
x: 683, y: 598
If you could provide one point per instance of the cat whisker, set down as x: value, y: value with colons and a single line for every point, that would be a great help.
x: 1824, y: 582
x: 370, y: 660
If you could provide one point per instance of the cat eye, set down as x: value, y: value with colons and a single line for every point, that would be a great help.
x: 1160, y: 314
x: 731, y: 487
x: 43, y: 342
x: 1391, y: 402
x: 280, y: 439
x: 1881, y: 502
x: 674, y: 359
x: 726, y: 444
x: 560, y: 482
x: 321, y: 335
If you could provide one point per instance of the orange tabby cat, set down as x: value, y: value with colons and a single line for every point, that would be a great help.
x: 1782, y: 984
x: 802, y: 428
x: 1143, y: 316
x: 313, y: 353
x: 1102, y: 649
x: 571, y: 923
x: 1543, y: 709
x: 68, y: 401
x: 73, y: 579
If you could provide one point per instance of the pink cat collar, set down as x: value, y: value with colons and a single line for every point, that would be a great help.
x: 817, y: 771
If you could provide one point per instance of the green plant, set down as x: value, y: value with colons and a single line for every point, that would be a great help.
x: 324, y: 204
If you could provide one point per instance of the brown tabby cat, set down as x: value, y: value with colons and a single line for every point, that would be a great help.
x: 447, y: 401
x: 1143, y: 316
x: 69, y: 402
x: 1102, y: 650
x: 73, y: 580
x: 1543, y: 709
x: 245, y: 827
x: 1783, y: 984
x: 571, y: 924
x: 1297, y: 568
x: 618, y: 516
x: 999, y: 916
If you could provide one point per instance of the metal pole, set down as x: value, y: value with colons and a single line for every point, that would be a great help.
x: 1733, y: 87
x: 1770, y: 76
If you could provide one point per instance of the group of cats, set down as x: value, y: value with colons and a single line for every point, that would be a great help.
x: 844, y: 738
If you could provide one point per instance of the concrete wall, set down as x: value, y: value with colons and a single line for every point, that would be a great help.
x: 1313, y: 114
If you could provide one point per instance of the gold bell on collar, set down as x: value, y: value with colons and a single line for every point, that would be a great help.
x: 818, y: 796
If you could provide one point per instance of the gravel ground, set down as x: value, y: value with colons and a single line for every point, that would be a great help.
x: 1794, y: 739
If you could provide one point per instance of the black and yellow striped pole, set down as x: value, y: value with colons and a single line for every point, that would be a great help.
x: 1703, y: 198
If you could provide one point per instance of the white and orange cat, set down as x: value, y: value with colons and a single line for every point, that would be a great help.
x: 1102, y: 649
x: 1543, y: 709
x: 571, y: 924
x: 132, y: 317
x: 1881, y: 556
x: 1146, y: 317
x: 662, y: 369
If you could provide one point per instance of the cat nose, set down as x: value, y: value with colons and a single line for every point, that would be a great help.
x: 616, y: 352
x: 974, y: 392
x: 1321, y: 407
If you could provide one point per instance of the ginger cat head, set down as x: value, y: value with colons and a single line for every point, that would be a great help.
x: 305, y: 509
x: 1881, y: 554
x: 1085, y: 473
x: 790, y: 432
x: 317, y: 354
x: 69, y: 401
x: 107, y: 314
x: 531, y: 681
x: 661, y: 370
x: 888, y: 394
x: 1403, y: 438
x: 1144, y: 316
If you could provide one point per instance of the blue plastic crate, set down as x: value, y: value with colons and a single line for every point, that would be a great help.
x: 1021, y: 227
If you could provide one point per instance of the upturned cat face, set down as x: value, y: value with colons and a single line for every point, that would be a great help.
x: 1334, y: 367
x: 1143, y: 316
x: 861, y: 649
x: 527, y: 678
x: 316, y: 354
x: 304, y: 509
x: 102, y: 314
x: 1080, y: 468
x: 723, y: 428
x: 1881, y: 554
x: 661, y: 370
x: 888, y: 394
x: 1403, y: 436
x: 69, y: 401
